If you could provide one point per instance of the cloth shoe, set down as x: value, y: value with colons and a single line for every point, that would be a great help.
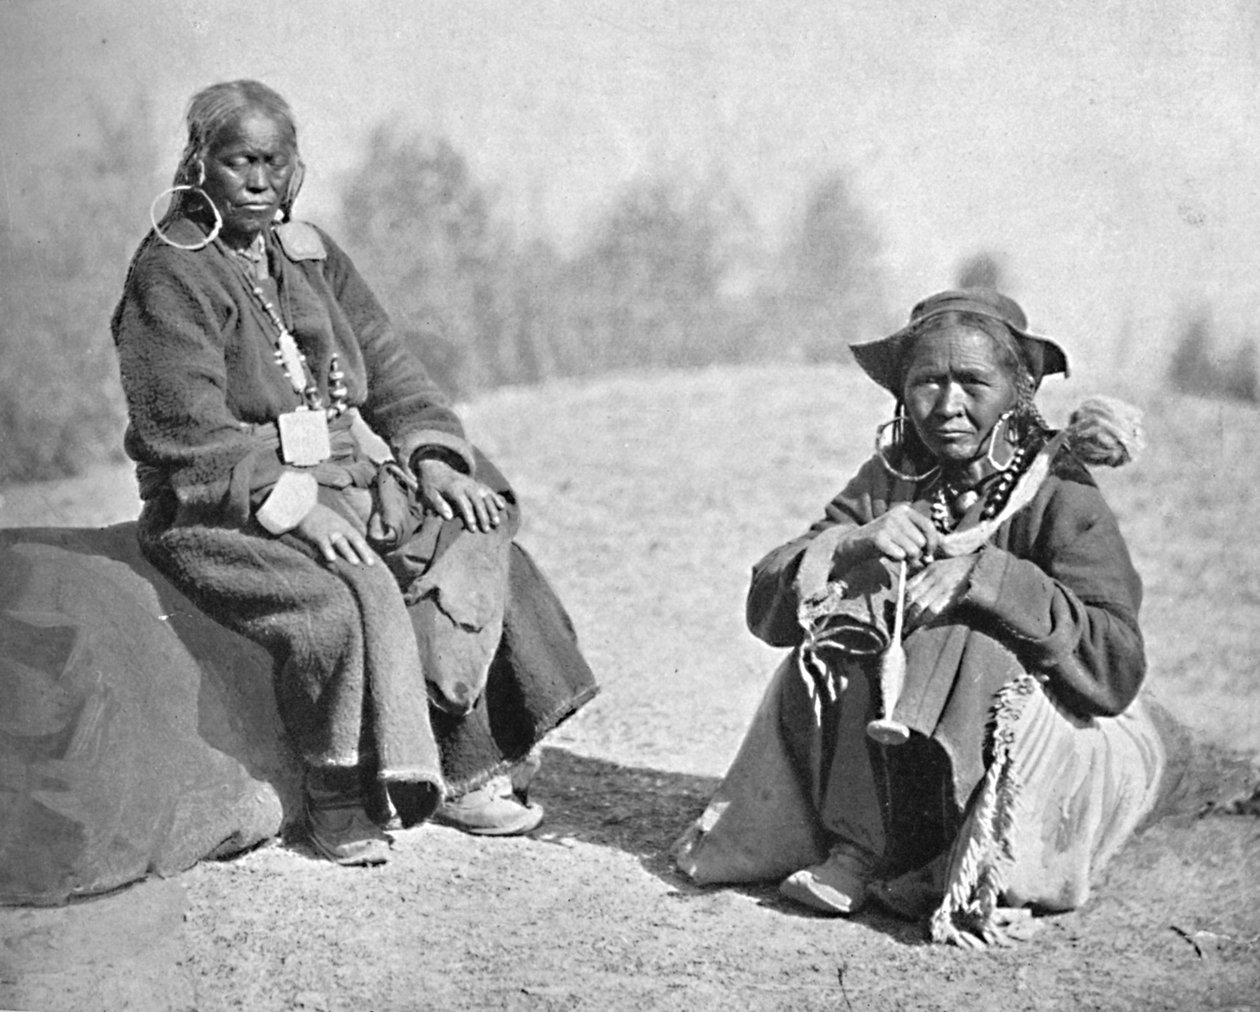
x: 337, y: 826
x: 837, y: 886
x: 491, y: 810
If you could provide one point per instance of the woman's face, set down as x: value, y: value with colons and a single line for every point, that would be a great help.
x: 956, y: 388
x: 248, y: 168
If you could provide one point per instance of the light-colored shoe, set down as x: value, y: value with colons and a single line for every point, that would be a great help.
x: 491, y: 810
x: 837, y: 886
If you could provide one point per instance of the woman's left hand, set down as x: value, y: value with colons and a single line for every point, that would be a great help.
x: 448, y: 492
x: 936, y: 589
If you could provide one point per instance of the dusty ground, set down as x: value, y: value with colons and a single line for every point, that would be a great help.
x: 648, y: 497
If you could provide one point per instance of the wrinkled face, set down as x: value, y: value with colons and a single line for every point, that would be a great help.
x: 956, y: 388
x: 248, y: 169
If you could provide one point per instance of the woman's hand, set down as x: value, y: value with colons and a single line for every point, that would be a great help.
x: 901, y: 533
x: 334, y: 537
x: 447, y: 491
x: 936, y: 589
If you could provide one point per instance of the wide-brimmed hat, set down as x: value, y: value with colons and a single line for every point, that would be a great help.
x: 882, y: 359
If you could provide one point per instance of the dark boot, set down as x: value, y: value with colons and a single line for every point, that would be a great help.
x: 336, y: 823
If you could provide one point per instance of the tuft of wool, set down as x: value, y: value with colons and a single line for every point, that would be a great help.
x: 1106, y: 431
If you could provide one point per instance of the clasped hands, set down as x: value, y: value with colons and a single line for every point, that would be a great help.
x: 936, y: 584
x: 442, y: 488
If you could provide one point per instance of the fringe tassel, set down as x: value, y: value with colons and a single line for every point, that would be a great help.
x: 816, y: 673
x: 976, y: 878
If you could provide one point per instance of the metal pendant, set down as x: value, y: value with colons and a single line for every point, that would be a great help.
x: 304, y: 440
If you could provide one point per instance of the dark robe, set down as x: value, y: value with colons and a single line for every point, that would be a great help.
x: 1052, y: 603
x: 353, y: 679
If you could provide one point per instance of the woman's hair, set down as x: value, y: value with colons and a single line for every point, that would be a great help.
x: 1010, y: 356
x: 219, y: 106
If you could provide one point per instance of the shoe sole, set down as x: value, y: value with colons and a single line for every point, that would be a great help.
x: 376, y: 850
x: 813, y: 896
x: 368, y: 860
x: 511, y: 829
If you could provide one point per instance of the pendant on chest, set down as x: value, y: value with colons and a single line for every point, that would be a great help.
x: 304, y: 439
x: 965, y: 500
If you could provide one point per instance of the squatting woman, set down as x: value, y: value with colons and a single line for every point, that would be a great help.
x: 958, y: 727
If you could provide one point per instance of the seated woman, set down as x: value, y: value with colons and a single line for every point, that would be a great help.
x: 995, y: 758
x: 306, y: 484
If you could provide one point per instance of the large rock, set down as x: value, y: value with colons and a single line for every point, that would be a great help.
x: 137, y: 735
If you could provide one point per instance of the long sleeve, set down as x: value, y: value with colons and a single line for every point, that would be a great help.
x: 172, y: 329
x: 196, y: 356
x: 403, y: 404
x: 1063, y: 592
x: 803, y: 565
x: 1057, y: 584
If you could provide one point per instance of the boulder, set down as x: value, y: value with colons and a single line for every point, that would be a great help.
x: 137, y: 735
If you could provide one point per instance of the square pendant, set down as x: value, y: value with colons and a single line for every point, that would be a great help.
x: 304, y: 438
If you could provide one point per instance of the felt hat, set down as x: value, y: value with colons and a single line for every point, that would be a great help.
x: 882, y: 359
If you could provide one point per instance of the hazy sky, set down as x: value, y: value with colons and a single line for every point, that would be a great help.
x: 1111, y: 149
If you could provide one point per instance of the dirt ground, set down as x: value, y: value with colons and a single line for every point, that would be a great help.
x: 648, y: 497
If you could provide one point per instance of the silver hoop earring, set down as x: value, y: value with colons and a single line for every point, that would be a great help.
x: 899, y: 438
x: 214, y: 232
x: 993, y: 438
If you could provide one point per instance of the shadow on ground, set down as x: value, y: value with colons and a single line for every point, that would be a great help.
x: 642, y: 812
x: 636, y: 810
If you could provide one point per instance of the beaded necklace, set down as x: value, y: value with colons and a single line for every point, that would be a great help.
x: 950, y: 501
x: 286, y: 353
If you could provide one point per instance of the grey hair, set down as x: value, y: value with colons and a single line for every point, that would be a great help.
x: 219, y: 106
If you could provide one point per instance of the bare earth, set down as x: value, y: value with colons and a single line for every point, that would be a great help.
x: 648, y: 497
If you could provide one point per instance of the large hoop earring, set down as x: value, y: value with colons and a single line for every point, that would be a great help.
x: 993, y: 438
x: 899, y: 439
x: 214, y: 232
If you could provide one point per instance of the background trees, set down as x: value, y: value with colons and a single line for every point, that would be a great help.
x: 674, y: 272
x: 828, y: 288
x: 61, y: 406
x: 421, y: 232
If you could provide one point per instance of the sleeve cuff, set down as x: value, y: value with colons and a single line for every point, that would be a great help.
x: 817, y: 561
x: 1015, y: 593
x: 292, y: 498
x: 456, y: 447
x: 984, y: 588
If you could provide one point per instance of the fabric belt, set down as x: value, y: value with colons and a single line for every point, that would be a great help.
x: 349, y: 465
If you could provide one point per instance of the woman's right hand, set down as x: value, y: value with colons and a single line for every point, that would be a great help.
x: 901, y: 533
x: 334, y: 537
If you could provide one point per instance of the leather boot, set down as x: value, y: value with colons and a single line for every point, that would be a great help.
x: 336, y: 823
